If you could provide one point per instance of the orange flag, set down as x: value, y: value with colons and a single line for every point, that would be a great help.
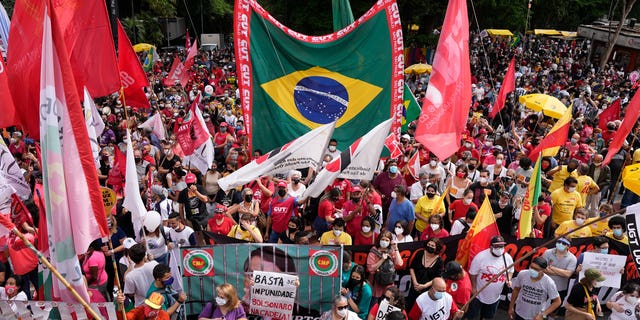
x: 558, y: 135
x: 478, y: 238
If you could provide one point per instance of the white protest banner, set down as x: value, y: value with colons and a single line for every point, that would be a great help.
x: 608, y: 264
x: 384, y: 308
x: 273, y: 295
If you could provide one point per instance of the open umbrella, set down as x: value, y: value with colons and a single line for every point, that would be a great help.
x: 631, y: 178
x: 549, y: 105
x: 418, y: 68
x: 142, y: 47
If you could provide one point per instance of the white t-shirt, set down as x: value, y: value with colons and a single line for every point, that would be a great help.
x: 457, y: 228
x: 296, y: 193
x: 534, y: 296
x: 138, y: 281
x: 629, y: 309
x: 166, y: 208
x: 417, y: 191
x: 485, y: 266
x: 434, y: 309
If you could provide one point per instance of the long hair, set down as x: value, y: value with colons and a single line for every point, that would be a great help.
x: 232, y: 296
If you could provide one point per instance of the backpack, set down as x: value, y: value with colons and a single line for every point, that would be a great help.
x: 386, y: 274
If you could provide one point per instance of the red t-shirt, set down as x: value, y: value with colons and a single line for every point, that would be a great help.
x: 22, y: 258
x: 264, y: 200
x: 460, y: 209
x: 326, y: 209
x: 344, y: 186
x: 223, y: 228
x: 361, y: 239
x: 428, y: 233
x: 460, y: 290
x: 544, y: 209
x: 353, y: 225
x: 281, y: 211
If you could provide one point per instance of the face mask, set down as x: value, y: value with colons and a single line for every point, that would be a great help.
x: 399, y: 230
x: 332, y: 148
x: 467, y: 201
x: 341, y: 313
x: 597, y: 284
x: 604, y: 251
x: 221, y: 301
x: 499, y: 162
x: 574, y: 141
x: 617, y: 232
x: 483, y: 180
x: 561, y: 247
x: 460, y: 175
x: 579, y: 221
x: 433, y: 163
x: 438, y: 295
x: 384, y: 244
x: 471, y: 167
x: 572, y: 189
x: 223, y: 129
x: 467, y: 145
x: 11, y: 289
x: 337, y: 233
x: 570, y: 169
x: 393, y: 194
x: 424, y: 181
x: 497, y: 251
x: 631, y: 300
x: 366, y: 229
x: 295, y: 181
x: 292, y: 230
x: 434, y: 226
x: 168, y: 282
x: 430, y: 250
x: 393, y: 169
x: 248, y: 198
x: 355, y: 200
x: 282, y: 192
x: 533, y: 273
x: 430, y: 195
x: 503, y: 203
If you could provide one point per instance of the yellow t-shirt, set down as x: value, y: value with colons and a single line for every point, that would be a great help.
x: 558, y: 178
x: 584, y: 184
x: 624, y: 239
x: 328, y: 238
x: 570, y: 225
x: 599, y: 228
x: 238, y: 233
x: 564, y: 204
x: 424, y: 208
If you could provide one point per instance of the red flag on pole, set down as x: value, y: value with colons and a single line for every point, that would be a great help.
x: 89, y: 44
x: 391, y: 142
x: 132, y: 75
x: 448, y: 98
x: 190, y: 134
x: 508, y: 85
x: 9, y: 109
x: 556, y: 137
x: 193, y: 50
x: 611, y: 113
x: 630, y: 118
x: 413, y: 165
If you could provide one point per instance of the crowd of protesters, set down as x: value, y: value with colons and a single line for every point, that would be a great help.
x: 395, y: 207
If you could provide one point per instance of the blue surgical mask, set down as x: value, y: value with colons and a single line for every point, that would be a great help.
x: 533, y: 273
x: 617, y: 232
x: 168, y: 282
x: 438, y: 295
x: 561, y: 246
x: 393, y: 169
x: 604, y: 251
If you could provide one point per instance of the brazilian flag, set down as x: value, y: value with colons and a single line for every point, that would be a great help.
x: 291, y: 83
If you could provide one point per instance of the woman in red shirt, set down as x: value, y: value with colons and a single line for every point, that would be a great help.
x: 366, y: 235
x: 458, y: 209
x: 435, y: 228
x: 327, y: 211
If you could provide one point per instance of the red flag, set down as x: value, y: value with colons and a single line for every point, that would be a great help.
x: 483, y: 228
x: 413, y: 165
x: 193, y: 50
x: 180, y: 71
x: 611, y: 113
x: 89, y: 43
x: 9, y: 109
x: 190, y: 134
x: 508, y: 85
x: 391, y: 142
x: 177, y: 68
x: 630, y: 118
x: 556, y: 137
x: 132, y: 75
x: 448, y: 98
x: 5, y: 225
x: 188, y: 42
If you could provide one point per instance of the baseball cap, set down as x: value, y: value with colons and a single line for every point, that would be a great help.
x: 223, y: 124
x: 593, y: 274
x: 356, y: 189
x: 220, y: 209
x: 498, y: 240
x: 190, y: 178
x: 451, y: 269
x: 155, y: 300
x: 128, y: 243
x: 282, y: 184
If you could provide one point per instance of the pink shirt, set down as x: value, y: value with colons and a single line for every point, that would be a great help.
x: 96, y: 260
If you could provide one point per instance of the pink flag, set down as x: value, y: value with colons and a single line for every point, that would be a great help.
x: 391, y: 142
x: 155, y: 124
x: 188, y: 40
x: 630, y: 118
x: 448, y: 98
x: 73, y: 201
x: 414, y: 165
x: 508, y: 85
x: 191, y: 134
x: 191, y: 54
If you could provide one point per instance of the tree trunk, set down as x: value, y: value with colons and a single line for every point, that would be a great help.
x: 627, y: 5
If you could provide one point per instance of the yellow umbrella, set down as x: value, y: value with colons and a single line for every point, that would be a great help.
x: 142, y: 47
x: 631, y: 178
x: 418, y: 68
x: 549, y: 105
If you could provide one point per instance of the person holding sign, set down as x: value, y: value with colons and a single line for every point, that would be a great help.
x: 227, y: 305
x: 435, y: 304
x: 339, y: 310
x: 358, y: 292
x: 393, y: 301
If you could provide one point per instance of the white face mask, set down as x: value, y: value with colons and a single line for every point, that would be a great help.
x: 497, y: 251
x: 579, y: 221
x: 434, y: 226
x: 467, y: 201
x: 467, y: 144
x: 572, y: 189
x: 384, y: 244
x: 332, y: 148
x: 366, y: 229
x: 337, y: 233
x: 393, y: 194
x: 483, y: 180
x: 221, y: 301
x: 341, y: 313
x: 631, y: 300
x: 399, y: 230
x: 433, y: 163
x: 499, y: 162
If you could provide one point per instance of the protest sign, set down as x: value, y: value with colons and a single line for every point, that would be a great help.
x: 608, y: 264
x: 273, y: 295
x: 108, y: 199
x: 384, y: 308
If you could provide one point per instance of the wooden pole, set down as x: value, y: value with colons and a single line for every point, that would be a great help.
x: 116, y: 270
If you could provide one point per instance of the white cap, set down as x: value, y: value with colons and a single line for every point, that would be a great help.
x: 128, y: 243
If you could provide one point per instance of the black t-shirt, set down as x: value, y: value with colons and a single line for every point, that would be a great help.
x: 577, y: 297
x: 228, y: 199
x: 479, y: 191
x: 504, y: 222
x: 167, y: 163
x: 193, y: 207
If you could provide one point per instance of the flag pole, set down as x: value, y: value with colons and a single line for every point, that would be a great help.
x: 56, y: 273
x: 526, y: 256
x: 115, y: 269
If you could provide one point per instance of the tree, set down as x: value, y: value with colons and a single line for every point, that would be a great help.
x: 627, y: 5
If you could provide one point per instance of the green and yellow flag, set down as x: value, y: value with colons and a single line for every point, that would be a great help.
x: 411, y: 108
x: 530, y: 202
x: 291, y: 83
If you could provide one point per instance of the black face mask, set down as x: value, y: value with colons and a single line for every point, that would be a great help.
x: 295, y: 181
x: 430, y: 195
x: 355, y: 200
x: 282, y: 192
x: 353, y: 283
x: 570, y: 169
x: 292, y: 230
x: 430, y: 250
x: 248, y: 198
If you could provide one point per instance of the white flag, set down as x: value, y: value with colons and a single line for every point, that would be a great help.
x: 155, y: 124
x: 11, y: 173
x: 300, y: 153
x: 357, y: 162
x: 95, y: 125
x: 132, y: 199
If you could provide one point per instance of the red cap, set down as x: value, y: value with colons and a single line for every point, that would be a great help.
x: 224, y: 124
x: 190, y: 178
x: 282, y: 184
x: 220, y: 208
x: 356, y: 189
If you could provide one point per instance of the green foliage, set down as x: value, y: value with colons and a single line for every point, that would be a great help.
x: 162, y: 8
x: 144, y: 28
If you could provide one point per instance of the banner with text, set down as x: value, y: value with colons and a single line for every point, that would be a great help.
x: 273, y: 295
